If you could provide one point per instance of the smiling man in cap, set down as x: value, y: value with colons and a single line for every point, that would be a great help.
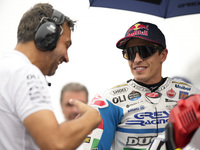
x: 135, y: 112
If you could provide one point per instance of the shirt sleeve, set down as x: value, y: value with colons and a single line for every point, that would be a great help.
x: 102, y: 137
x: 29, y: 92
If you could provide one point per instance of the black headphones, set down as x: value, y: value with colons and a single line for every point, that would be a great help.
x: 47, y: 32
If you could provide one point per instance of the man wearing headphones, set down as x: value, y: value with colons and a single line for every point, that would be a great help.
x: 27, y: 118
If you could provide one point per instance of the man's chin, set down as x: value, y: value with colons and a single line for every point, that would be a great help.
x: 139, y: 79
x: 51, y: 73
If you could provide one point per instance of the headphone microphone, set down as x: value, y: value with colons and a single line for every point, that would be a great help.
x: 48, y: 31
x: 49, y: 84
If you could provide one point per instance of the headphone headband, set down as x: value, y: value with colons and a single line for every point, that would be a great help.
x: 58, y: 17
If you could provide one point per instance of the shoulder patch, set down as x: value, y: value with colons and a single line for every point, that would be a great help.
x: 119, y: 85
x: 176, y: 82
x: 99, y: 102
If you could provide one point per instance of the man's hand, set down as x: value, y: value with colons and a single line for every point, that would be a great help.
x: 83, y: 108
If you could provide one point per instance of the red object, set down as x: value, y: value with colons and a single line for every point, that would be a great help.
x: 185, y: 118
x: 98, y: 101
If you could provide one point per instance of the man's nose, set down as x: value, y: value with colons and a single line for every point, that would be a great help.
x: 75, y: 110
x: 66, y: 58
x: 137, y: 58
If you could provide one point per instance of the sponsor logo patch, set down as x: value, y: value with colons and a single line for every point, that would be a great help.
x: 134, y: 95
x: 153, y: 97
x: 183, y: 95
x: 170, y: 100
x: 137, y: 108
x: 119, y: 99
x: 182, y: 87
x: 149, y: 118
x: 171, y: 93
x: 99, y: 102
x: 119, y: 91
x: 87, y: 139
x: 141, y: 141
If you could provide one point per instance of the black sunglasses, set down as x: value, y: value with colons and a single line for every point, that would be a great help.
x: 144, y: 52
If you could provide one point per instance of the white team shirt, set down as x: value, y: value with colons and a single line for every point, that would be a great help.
x: 23, y: 91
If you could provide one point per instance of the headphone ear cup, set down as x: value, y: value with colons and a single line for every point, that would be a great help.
x: 46, y: 36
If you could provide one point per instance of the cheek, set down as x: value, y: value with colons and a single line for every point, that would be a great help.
x: 53, y: 59
x: 57, y: 52
x: 61, y: 49
x: 130, y: 63
x: 156, y: 65
x: 67, y: 112
x: 65, y: 109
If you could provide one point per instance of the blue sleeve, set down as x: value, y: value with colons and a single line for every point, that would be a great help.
x: 111, y: 116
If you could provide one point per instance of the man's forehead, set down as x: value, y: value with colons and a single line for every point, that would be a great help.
x: 139, y: 42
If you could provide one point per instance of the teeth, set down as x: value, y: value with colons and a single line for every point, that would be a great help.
x: 59, y: 62
x: 139, y: 68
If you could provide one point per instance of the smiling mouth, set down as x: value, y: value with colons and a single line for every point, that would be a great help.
x: 60, y: 61
x: 139, y: 68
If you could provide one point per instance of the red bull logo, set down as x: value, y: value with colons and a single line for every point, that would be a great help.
x: 139, y: 26
x: 136, y: 30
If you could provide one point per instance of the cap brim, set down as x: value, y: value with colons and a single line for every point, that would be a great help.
x: 122, y: 42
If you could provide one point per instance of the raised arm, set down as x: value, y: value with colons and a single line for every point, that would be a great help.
x: 49, y: 135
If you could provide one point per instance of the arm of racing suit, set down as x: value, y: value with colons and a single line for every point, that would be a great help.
x: 102, y: 137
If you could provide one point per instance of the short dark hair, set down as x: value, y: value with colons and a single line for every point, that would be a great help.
x: 31, y: 19
x: 73, y: 87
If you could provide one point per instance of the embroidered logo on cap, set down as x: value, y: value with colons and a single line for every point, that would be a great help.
x: 138, y: 29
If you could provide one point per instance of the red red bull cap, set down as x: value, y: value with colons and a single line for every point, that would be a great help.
x: 143, y: 30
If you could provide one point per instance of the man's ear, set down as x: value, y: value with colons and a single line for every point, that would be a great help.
x: 163, y: 55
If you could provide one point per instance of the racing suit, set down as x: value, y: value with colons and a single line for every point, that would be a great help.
x: 133, y: 115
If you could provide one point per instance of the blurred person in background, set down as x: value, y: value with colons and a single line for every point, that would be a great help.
x: 75, y: 91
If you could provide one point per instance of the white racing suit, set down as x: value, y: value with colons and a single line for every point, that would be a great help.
x: 132, y: 115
